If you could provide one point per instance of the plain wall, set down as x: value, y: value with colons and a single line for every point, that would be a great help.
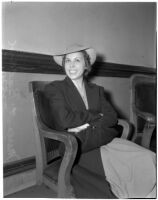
x: 122, y: 33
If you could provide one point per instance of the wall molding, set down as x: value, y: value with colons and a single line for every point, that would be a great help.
x: 19, y: 166
x: 25, y: 62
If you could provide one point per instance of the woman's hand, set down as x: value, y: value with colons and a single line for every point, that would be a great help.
x: 79, y: 128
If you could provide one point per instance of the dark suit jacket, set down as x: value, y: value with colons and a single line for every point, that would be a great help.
x: 67, y: 109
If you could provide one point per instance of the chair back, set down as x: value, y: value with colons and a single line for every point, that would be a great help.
x: 42, y: 118
x: 143, y: 98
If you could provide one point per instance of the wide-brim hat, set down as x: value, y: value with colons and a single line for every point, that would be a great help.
x: 58, y: 58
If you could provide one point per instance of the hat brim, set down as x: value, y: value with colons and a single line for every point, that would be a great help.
x: 90, y: 51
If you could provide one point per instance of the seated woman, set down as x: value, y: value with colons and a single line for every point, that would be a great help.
x: 106, y: 166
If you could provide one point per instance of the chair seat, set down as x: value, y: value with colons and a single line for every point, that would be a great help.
x: 52, y: 170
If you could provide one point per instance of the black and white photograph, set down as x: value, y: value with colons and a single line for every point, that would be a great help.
x: 79, y: 99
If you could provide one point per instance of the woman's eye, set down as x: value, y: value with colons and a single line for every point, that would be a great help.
x: 77, y: 60
x: 67, y: 61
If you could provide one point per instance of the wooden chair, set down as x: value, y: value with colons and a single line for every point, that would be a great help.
x: 143, y: 108
x: 52, y: 169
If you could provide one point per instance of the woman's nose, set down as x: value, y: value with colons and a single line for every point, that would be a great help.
x: 72, y: 65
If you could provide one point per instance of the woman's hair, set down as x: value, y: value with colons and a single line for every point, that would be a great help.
x: 87, y: 63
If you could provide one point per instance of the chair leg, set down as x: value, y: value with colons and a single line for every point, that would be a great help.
x: 39, y: 178
x: 66, y: 192
x: 147, y: 134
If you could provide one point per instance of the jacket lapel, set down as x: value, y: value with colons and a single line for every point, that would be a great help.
x: 91, y: 97
x: 72, y: 93
x: 75, y: 98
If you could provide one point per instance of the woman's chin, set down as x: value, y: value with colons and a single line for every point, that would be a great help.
x: 73, y: 77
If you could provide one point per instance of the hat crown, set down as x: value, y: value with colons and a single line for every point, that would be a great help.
x: 72, y: 48
x: 75, y: 48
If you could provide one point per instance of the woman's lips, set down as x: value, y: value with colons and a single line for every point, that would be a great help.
x: 72, y: 71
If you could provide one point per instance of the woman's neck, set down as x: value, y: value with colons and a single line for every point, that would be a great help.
x: 79, y: 83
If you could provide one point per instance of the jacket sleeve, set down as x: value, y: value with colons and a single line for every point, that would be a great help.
x: 63, y: 116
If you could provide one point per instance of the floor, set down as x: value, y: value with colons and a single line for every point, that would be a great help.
x: 34, y: 192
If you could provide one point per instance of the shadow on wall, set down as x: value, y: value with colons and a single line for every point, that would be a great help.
x: 101, y: 58
x: 117, y: 109
x: 99, y: 61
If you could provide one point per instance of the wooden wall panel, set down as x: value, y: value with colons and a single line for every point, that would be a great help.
x: 16, y: 61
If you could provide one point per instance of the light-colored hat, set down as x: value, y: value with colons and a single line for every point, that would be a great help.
x: 75, y: 48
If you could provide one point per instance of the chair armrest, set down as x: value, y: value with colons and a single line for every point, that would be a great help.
x: 71, y: 147
x: 150, y: 118
x: 126, y: 128
x: 148, y: 127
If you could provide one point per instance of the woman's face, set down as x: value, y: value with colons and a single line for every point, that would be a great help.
x: 75, y: 65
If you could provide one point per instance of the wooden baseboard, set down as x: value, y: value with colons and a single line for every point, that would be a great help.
x: 19, y: 166
x: 19, y: 175
x: 18, y: 182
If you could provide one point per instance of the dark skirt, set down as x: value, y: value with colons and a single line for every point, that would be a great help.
x: 88, y: 177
